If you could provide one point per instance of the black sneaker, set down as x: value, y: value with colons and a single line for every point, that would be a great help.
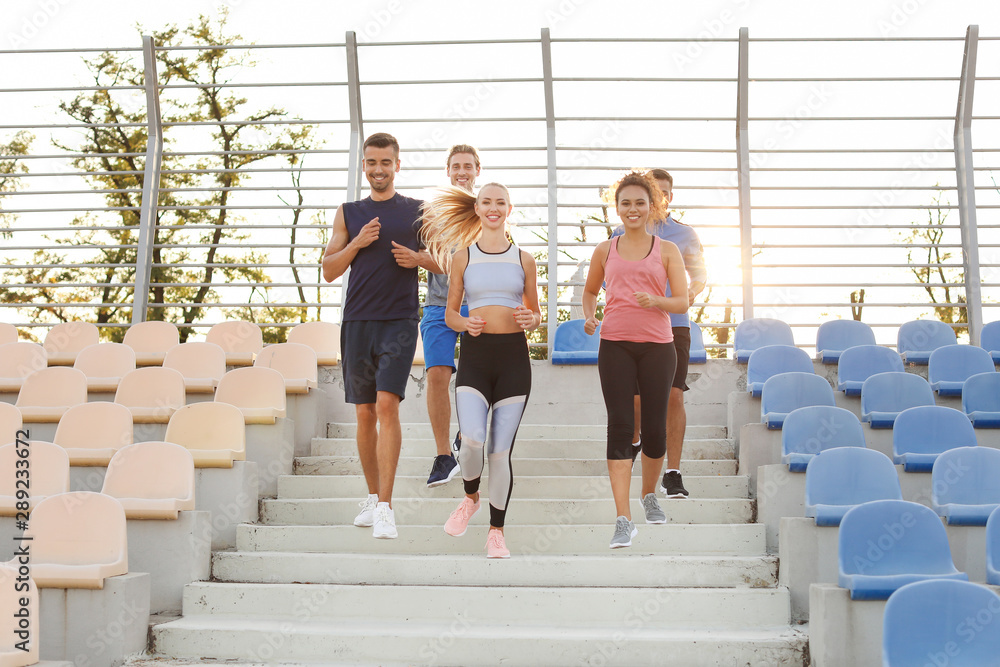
x: 672, y: 485
x: 457, y: 445
x: 444, y: 469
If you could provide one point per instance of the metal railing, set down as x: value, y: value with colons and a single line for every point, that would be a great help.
x: 201, y: 231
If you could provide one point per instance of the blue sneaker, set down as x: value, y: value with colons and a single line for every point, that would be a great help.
x: 444, y: 469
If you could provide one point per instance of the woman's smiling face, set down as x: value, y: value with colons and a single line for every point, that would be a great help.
x: 493, y: 207
x: 633, y: 206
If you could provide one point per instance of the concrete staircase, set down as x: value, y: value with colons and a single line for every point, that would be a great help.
x: 304, y: 585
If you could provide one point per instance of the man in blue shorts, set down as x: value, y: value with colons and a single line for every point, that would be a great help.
x: 439, y: 339
x: 687, y: 241
x: 377, y: 238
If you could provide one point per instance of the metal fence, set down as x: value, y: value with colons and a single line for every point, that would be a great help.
x: 827, y: 177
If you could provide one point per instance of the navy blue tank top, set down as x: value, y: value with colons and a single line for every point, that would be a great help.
x: 377, y: 287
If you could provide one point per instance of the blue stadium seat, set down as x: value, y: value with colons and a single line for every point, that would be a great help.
x: 573, y: 346
x: 989, y: 340
x: 698, y: 353
x: 934, y: 623
x: 921, y: 434
x: 841, y: 478
x: 785, y: 392
x: 835, y: 336
x: 950, y: 366
x: 965, y: 485
x: 993, y: 548
x: 773, y: 359
x: 758, y: 332
x: 981, y: 400
x: 885, y: 395
x: 859, y: 363
x: 886, y: 544
x: 916, y: 339
x: 811, y: 430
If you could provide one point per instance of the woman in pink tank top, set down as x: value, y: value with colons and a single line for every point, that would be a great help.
x: 637, y: 346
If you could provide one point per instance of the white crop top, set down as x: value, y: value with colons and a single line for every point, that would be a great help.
x: 494, y: 279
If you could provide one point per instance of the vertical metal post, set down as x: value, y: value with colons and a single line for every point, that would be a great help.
x: 150, y: 184
x: 357, y: 139
x: 551, y: 306
x: 965, y: 176
x: 357, y: 127
x: 743, y: 174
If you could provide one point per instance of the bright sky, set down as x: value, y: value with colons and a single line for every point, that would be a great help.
x: 707, y: 201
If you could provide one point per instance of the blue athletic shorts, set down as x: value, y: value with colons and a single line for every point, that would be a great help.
x: 377, y: 355
x: 439, y: 339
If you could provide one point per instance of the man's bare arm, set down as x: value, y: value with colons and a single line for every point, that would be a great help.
x: 341, y: 250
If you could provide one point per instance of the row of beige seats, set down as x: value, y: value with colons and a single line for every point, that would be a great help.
x: 151, y: 480
x: 80, y: 539
x: 154, y: 393
x: 241, y: 341
x: 90, y: 434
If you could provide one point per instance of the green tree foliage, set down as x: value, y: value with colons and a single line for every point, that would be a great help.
x: 11, y: 166
x: 944, y: 285
x: 194, y: 232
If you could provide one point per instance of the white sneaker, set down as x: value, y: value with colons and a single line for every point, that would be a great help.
x: 385, y: 522
x: 367, y: 516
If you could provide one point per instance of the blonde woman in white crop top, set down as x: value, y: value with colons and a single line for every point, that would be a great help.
x: 494, y: 370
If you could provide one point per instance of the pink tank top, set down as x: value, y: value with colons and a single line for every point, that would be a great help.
x: 624, y: 318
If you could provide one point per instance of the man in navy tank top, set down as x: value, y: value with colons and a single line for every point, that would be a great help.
x: 377, y: 238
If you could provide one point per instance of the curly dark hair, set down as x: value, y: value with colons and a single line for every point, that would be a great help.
x: 645, y: 180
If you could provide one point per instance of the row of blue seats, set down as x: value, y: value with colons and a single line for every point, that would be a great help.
x: 919, y: 435
x: 883, y: 397
x: 937, y: 621
x: 915, y: 340
x: 965, y: 484
x: 886, y: 544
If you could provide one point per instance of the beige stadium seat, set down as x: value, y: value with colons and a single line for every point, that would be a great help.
x: 201, y: 364
x: 152, y: 394
x: 18, y: 361
x: 322, y: 337
x: 242, y: 341
x: 10, y: 422
x: 151, y: 340
x: 295, y: 362
x: 91, y: 433
x: 64, y: 341
x: 48, y: 474
x: 152, y: 480
x: 78, y: 540
x: 16, y: 597
x: 258, y: 392
x: 8, y: 333
x: 213, y: 432
x: 47, y: 394
x: 105, y: 364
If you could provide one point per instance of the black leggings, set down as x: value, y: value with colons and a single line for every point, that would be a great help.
x: 494, y: 375
x: 623, y: 365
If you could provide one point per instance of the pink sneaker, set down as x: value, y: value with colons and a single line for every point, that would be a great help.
x: 495, y: 547
x: 459, y: 519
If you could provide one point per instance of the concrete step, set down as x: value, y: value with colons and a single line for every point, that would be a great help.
x: 341, y: 511
x: 417, y: 465
x: 557, y: 431
x: 525, y: 448
x: 639, y: 570
x: 474, y: 637
x: 562, y: 536
x: 678, y: 607
x: 320, y: 485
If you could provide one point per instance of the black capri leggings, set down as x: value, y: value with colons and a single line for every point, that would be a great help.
x: 623, y: 365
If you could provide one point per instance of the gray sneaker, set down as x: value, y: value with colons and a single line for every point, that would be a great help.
x: 653, y: 512
x: 625, y: 530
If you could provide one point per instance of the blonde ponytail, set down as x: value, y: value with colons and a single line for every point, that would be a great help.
x: 450, y: 223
